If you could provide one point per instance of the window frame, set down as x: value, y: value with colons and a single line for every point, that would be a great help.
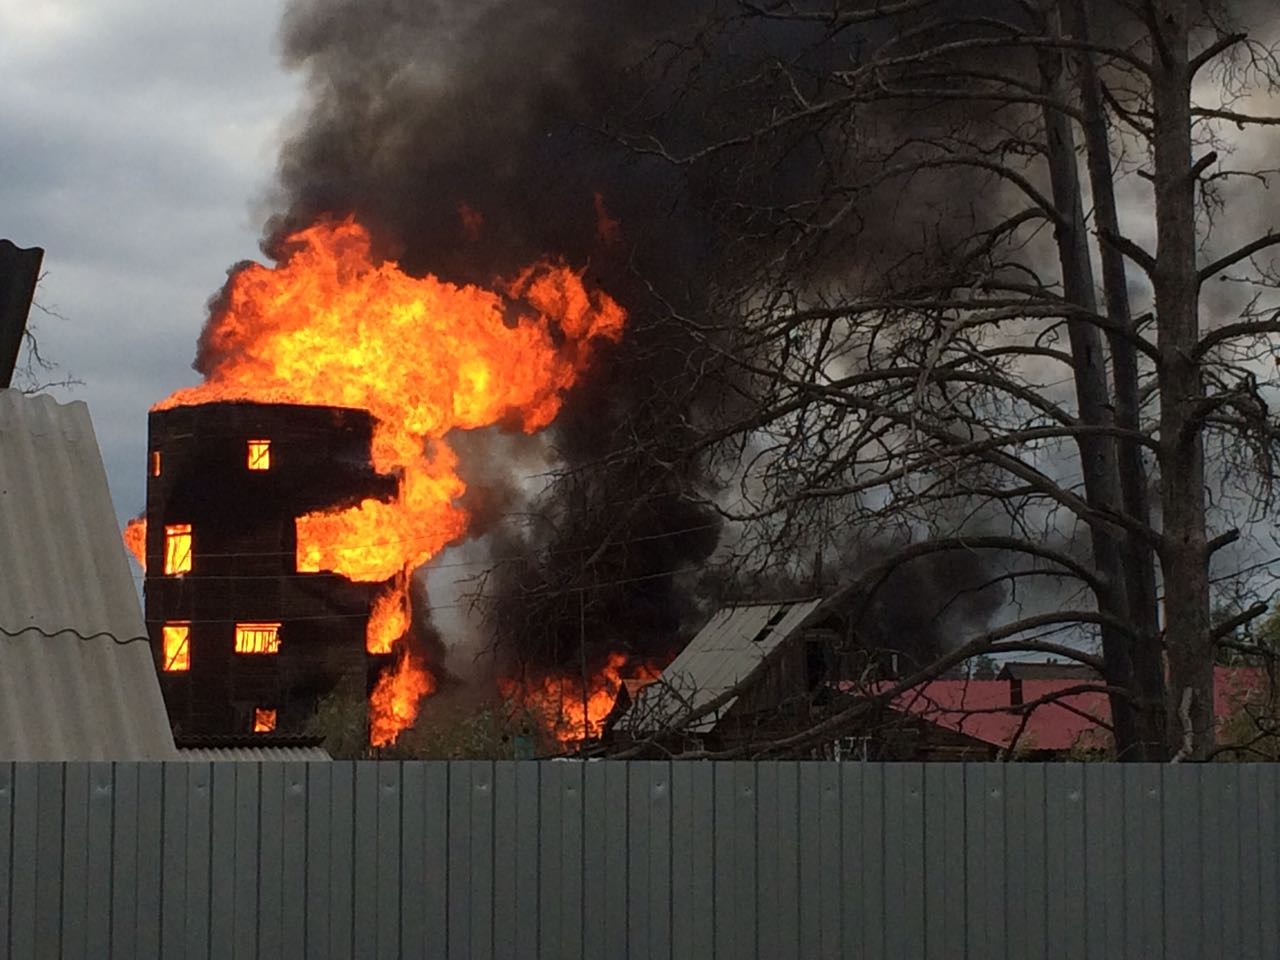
x: 177, y: 563
x: 249, y: 638
x: 265, y: 719
x: 258, y: 455
x: 180, y: 660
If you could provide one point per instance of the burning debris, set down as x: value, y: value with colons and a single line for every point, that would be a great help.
x: 572, y: 710
x: 331, y: 325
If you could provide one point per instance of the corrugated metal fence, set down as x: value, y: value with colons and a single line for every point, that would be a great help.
x: 638, y: 860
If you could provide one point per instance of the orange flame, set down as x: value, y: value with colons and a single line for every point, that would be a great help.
x: 393, y: 706
x: 558, y: 704
x: 389, y: 619
x: 329, y: 326
x: 135, y: 540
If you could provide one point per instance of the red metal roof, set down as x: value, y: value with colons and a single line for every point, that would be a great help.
x: 983, y: 710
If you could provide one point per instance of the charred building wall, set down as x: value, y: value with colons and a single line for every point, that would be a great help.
x: 242, y: 639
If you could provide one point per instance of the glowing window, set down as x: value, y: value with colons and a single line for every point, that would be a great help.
x: 177, y: 549
x: 264, y: 720
x: 155, y: 463
x: 259, y: 454
x: 257, y: 638
x: 177, y: 646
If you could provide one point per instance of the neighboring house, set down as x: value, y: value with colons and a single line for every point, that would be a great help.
x: 695, y: 691
x: 988, y: 719
x: 981, y: 720
x: 759, y: 672
x: 77, y: 680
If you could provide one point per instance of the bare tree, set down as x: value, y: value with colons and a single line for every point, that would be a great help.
x: 915, y: 198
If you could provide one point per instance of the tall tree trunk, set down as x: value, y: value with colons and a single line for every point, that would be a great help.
x: 1139, y: 554
x: 1184, y: 552
x: 1097, y: 452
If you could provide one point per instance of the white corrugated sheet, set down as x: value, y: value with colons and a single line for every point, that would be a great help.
x: 253, y: 754
x: 723, y: 653
x: 63, y: 568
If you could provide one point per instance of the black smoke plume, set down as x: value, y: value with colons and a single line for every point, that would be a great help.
x: 470, y: 137
x: 474, y: 136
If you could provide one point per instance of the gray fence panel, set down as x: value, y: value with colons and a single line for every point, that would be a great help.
x: 1104, y: 837
x: 173, y: 861
x: 1226, y: 797
x: 6, y: 854
x: 549, y: 863
x: 75, y: 858
x: 693, y: 888
x: 528, y: 851
x: 1144, y: 844
x: 48, y: 851
x: 22, y: 847
x: 595, y: 860
x: 786, y: 912
x: 342, y: 854
x: 851, y: 863
x: 293, y: 861
x: 245, y: 892
x: 365, y: 831
x: 319, y: 847
x: 126, y: 881
x: 639, y: 849
x: 638, y: 860
x: 1268, y: 863
x: 1182, y: 826
x: 438, y: 823
x: 482, y: 861
x: 459, y: 860
x: 196, y: 806
x: 1249, y: 869
x: 573, y: 843
x: 150, y: 839
x: 830, y: 880
x: 562, y: 826
x: 271, y: 895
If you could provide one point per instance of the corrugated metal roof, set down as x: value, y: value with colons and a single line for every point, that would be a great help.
x: 63, y: 569
x: 253, y: 754
x: 723, y: 653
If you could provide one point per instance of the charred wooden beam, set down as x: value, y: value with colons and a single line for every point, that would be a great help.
x: 19, y: 271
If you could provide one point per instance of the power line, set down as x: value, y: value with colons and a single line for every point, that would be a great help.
x: 286, y: 619
x: 1244, y: 570
x: 431, y: 566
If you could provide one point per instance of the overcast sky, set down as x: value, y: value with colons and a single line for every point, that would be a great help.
x: 137, y: 142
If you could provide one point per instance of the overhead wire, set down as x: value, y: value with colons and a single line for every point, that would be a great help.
x: 489, y: 561
x: 50, y: 634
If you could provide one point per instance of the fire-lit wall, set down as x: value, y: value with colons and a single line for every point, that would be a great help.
x: 263, y: 642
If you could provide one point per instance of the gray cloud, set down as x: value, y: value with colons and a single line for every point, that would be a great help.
x: 135, y: 138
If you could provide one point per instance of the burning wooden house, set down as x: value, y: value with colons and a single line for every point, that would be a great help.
x: 248, y: 632
x: 282, y: 528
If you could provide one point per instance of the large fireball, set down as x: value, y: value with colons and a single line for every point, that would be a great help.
x: 330, y: 326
